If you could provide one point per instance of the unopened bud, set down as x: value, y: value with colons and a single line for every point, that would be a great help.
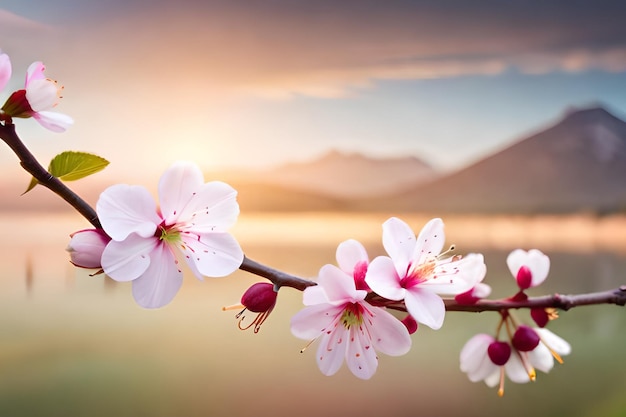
x: 499, y: 352
x: 86, y: 247
x: 260, y: 297
x: 524, y: 278
x: 525, y: 339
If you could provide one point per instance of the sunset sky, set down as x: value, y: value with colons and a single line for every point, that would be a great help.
x: 259, y: 83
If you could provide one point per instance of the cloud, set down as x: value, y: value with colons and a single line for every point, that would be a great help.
x: 329, y: 49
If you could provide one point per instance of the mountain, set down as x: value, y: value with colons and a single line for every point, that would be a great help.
x: 577, y: 165
x: 350, y: 175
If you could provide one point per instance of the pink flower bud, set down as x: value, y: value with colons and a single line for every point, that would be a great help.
x: 525, y: 339
x: 260, y: 297
x: 499, y: 352
x: 524, y: 277
x: 86, y: 247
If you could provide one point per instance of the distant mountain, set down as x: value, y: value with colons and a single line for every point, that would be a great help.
x: 577, y: 165
x: 350, y: 175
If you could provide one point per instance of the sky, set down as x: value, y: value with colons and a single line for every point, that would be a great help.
x: 254, y: 84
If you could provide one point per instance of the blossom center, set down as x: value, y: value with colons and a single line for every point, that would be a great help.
x: 352, y: 315
x: 418, y: 274
x: 168, y: 234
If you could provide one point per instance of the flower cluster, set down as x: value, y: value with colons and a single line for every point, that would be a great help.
x: 36, y: 99
x: 143, y: 243
x: 526, y: 349
x: 347, y: 310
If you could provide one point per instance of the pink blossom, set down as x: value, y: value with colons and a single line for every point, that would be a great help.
x: 40, y: 94
x: 148, y: 243
x: 347, y: 326
x: 529, y: 268
x: 352, y: 258
x: 5, y: 70
x: 86, y: 247
x: 482, y: 357
x: 416, y: 272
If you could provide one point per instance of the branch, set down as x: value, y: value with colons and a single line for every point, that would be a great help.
x: 32, y: 166
x: 558, y: 301
x: 278, y: 278
x: 562, y: 302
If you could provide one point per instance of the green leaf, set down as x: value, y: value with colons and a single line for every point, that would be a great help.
x: 71, y: 166
x: 33, y: 182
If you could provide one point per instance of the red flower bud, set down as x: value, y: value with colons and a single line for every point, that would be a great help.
x: 410, y: 323
x: 524, y: 278
x: 499, y: 352
x: 540, y: 316
x: 525, y: 339
x: 260, y: 297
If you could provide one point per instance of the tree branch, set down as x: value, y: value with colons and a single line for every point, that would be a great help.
x: 562, y: 302
x: 278, y: 278
x: 33, y: 167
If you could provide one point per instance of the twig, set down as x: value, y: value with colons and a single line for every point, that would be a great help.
x: 33, y: 167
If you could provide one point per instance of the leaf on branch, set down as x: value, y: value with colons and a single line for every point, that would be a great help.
x: 71, y: 166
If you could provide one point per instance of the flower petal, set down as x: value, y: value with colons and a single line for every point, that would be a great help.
x: 339, y: 286
x: 34, y: 72
x: 177, y: 186
x: 458, y: 276
x: 349, y: 254
x: 125, y: 209
x: 158, y: 285
x: 383, y: 279
x: 426, y: 307
x: 399, y: 242
x: 213, y: 209
x: 388, y: 334
x: 5, y: 70
x: 360, y: 356
x: 42, y: 95
x: 314, y: 295
x: 429, y: 242
x: 515, y: 369
x: 128, y: 259
x: 554, y: 342
x: 474, y: 351
x: 312, y: 321
x: 535, y: 260
x: 332, y: 350
x: 214, y: 254
x: 55, y: 122
x: 541, y: 358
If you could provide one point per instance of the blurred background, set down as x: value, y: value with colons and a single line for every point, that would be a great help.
x: 505, y: 119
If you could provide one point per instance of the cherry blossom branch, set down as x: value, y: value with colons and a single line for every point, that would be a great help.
x: 278, y: 278
x: 33, y: 167
x: 562, y: 302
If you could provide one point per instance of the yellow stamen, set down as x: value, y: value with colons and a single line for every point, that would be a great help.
x: 501, y: 388
x: 556, y: 356
x: 233, y: 307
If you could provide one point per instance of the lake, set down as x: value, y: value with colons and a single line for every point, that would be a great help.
x: 76, y: 345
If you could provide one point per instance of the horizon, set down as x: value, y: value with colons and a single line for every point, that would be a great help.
x: 379, y: 80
